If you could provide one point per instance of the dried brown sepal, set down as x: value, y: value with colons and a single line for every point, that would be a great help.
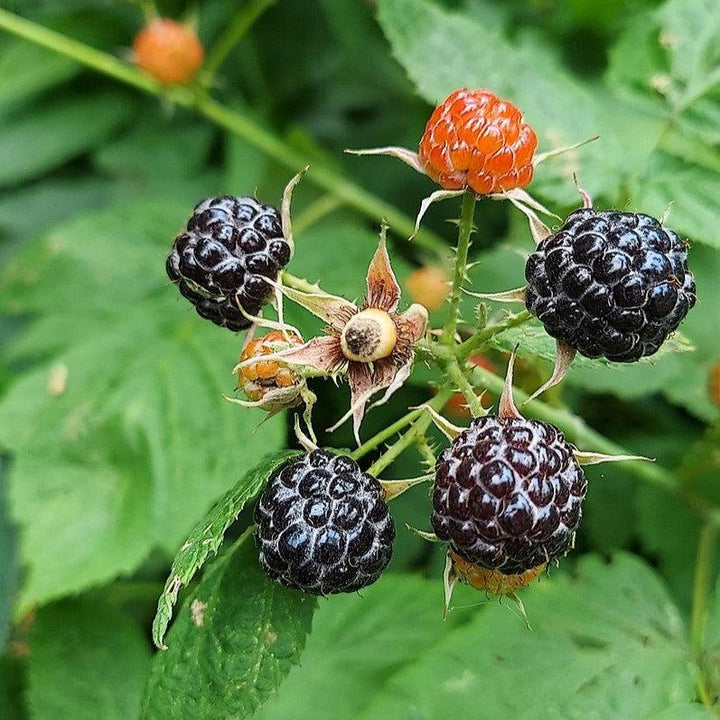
x: 507, y: 407
x: 563, y: 360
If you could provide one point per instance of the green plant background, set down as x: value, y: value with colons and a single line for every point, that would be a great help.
x: 101, y: 484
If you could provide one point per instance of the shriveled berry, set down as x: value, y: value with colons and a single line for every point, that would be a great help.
x: 323, y: 526
x: 508, y: 494
x: 610, y: 283
x: 224, y: 258
x: 476, y: 140
x: 169, y: 51
x: 258, y: 379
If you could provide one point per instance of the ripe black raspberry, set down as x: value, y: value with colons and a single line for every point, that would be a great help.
x: 224, y: 257
x: 508, y: 494
x: 611, y: 284
x: 323, y: 526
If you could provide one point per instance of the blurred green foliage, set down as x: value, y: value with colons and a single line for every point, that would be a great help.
x: 115, y: 437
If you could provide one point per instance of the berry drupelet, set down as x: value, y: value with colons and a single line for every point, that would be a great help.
x: 224, y: 258
x: 610, y: 283
x: 323, y: 525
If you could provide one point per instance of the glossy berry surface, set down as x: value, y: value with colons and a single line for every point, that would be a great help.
x: 224, y: 258
x: 323, y: 526
x: 612, y: 284
x: 169, y: 51
x: 476, y: 140
x: 508, y: 494
x: 256, y: 379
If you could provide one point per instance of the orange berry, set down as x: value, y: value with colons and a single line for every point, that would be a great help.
x: 476, y: 140
x: 169, y: 51
x: 257, y: 378
x: 492, y: 581
x: 428, y: 286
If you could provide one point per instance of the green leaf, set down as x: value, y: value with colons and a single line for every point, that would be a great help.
x: 232, y: 643
x: 51, y: 134
x: 693, y: 192
x: 607, y: 642
x: 358, y: 643
x: 207, y: 536
x: 131, y: 440
x: 669, y: 60
x: 9, y: 574
x: 88, y: 660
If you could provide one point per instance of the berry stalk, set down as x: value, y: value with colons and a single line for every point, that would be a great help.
x: 464, y: 232
x: 476, y: 341
x: 416, y: 430
x: 348, y: 192
x: 234, y: 33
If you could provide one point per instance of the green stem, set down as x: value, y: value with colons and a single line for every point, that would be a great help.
x: 458, y: 377
x: 233, y: 34
x: 316, y: 211
x: 464, y: 232
x: 417, y: 429
x: 474, y: 343
x: 386, y: 433
x: 701, y: 587
x: 701, y: 592
x: 348, y: 192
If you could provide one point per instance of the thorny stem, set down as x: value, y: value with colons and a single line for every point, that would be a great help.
x: 459, y: 379
x: 233, y: 34
x: 467, y: 348
x: 701, y: 592
x: 417, y: 429
x: 189, y: 97
x: 297, y: 283
x: 465, y: 229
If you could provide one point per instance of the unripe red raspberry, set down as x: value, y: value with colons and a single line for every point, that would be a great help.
x: 715, y: 383
x: 476, y: 140
x: 169, y: 51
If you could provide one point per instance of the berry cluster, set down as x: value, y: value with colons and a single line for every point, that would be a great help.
x: 475, y: 139
x: 612, y: 284
x: 508, y: 494
x: 323, y: 526
x: 223, y: 259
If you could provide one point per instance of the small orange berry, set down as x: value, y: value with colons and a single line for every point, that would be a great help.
x: 476, y: 140
x: 428, y: 286
x: 169, y: 51
x: 256, y: 379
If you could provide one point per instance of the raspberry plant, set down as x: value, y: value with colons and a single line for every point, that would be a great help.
x: 368, y: 473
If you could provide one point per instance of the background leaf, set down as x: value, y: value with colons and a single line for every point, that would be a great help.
x: 89, y: 660
x: 138, y: 438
